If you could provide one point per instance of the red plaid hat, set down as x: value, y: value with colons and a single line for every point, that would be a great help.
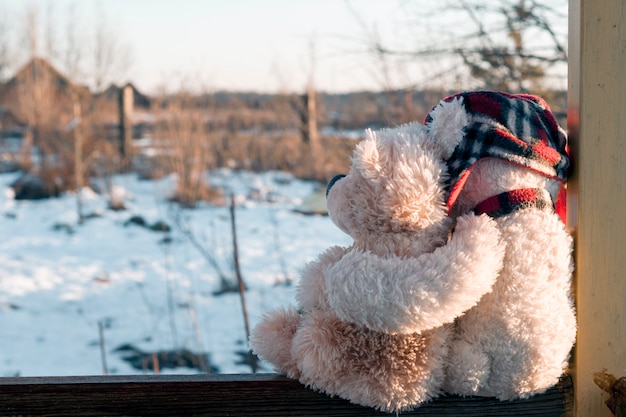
x: 519, y: 128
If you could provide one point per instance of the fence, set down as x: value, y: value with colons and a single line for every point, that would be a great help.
x: 233, y: 395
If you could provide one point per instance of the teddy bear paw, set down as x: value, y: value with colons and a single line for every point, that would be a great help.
x: 271, y: 339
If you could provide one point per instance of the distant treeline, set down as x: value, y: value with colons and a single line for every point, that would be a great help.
x: 341, y: 111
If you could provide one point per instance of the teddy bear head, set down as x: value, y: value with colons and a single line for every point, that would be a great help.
x: 508, y: 145
x: 396, y: 184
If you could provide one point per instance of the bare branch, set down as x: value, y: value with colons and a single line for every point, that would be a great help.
x: 508, y: 44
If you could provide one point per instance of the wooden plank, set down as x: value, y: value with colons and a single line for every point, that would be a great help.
x: 232, y: 395
x: 597, y: 126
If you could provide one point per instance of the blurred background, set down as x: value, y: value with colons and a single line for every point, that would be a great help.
x: 238, y: 72
x: 120, y: 119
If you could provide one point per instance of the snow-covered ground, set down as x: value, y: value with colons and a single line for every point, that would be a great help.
x: 61, y: 282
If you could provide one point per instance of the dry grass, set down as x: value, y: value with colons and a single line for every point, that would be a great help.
x: 193, y: 138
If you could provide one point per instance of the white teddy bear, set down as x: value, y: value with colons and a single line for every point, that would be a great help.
x: 373, y: 320
x: 511, y: 163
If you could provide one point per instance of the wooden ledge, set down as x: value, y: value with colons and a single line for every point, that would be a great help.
x: 233, y: 395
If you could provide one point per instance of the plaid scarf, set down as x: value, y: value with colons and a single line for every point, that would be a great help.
x: 511, y: 201
x: 518, y: 128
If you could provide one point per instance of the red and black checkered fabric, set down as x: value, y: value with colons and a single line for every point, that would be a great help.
x: 514, y: 200
x: 519, y: 128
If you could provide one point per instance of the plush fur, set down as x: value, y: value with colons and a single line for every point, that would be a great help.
x: 373, y: 320
x: 516, y: 341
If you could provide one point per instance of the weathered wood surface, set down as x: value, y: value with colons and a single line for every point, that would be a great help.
x: 597, y: 126
x: 232, y: 395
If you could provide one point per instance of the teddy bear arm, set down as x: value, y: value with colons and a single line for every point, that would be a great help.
x: 461, y: 272
x: 406, y: 295
x: 310, y: 293
x: 474, y: 257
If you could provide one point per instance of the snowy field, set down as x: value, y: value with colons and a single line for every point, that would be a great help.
x: 67, y: 290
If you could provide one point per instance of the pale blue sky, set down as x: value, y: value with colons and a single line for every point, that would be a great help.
x: 260, y: 45
x: 234, y: 44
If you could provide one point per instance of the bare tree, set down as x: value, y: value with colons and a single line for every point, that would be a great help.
x: 509, y: 44
x: 111, y: 57
x: 50, y: 40
x: 186, y: 140
x: 63, y: 116
x: 306, y: 109
x: 34, y: 97
x: 74, y: 53
x: 389, y: 69
x: 6, y: 58
x: 503, y: 57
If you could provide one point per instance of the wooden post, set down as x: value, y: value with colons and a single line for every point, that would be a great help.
x: 307, y: 113
x: 78, y: 156
x: 126, y: 104
x: 242, y: 286
x: 597, y: 128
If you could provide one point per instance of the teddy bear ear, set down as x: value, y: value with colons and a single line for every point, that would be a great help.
x: 446, y: 124
x: 381, y: 147
x: 368, y: 150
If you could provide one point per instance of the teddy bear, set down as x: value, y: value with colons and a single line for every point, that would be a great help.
x: 372, y: 321
x: 511, y: 163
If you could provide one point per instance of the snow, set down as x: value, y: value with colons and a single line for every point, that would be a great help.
x: 61, y: 281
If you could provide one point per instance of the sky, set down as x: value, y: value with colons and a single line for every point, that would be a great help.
x: 262, y: 45
x: 250, y: 45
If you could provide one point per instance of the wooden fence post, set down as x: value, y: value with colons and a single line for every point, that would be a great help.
x: 597, y: 193
x: 126, y: 104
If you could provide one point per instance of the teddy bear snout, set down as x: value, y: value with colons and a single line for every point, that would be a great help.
x: 332, y: 182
